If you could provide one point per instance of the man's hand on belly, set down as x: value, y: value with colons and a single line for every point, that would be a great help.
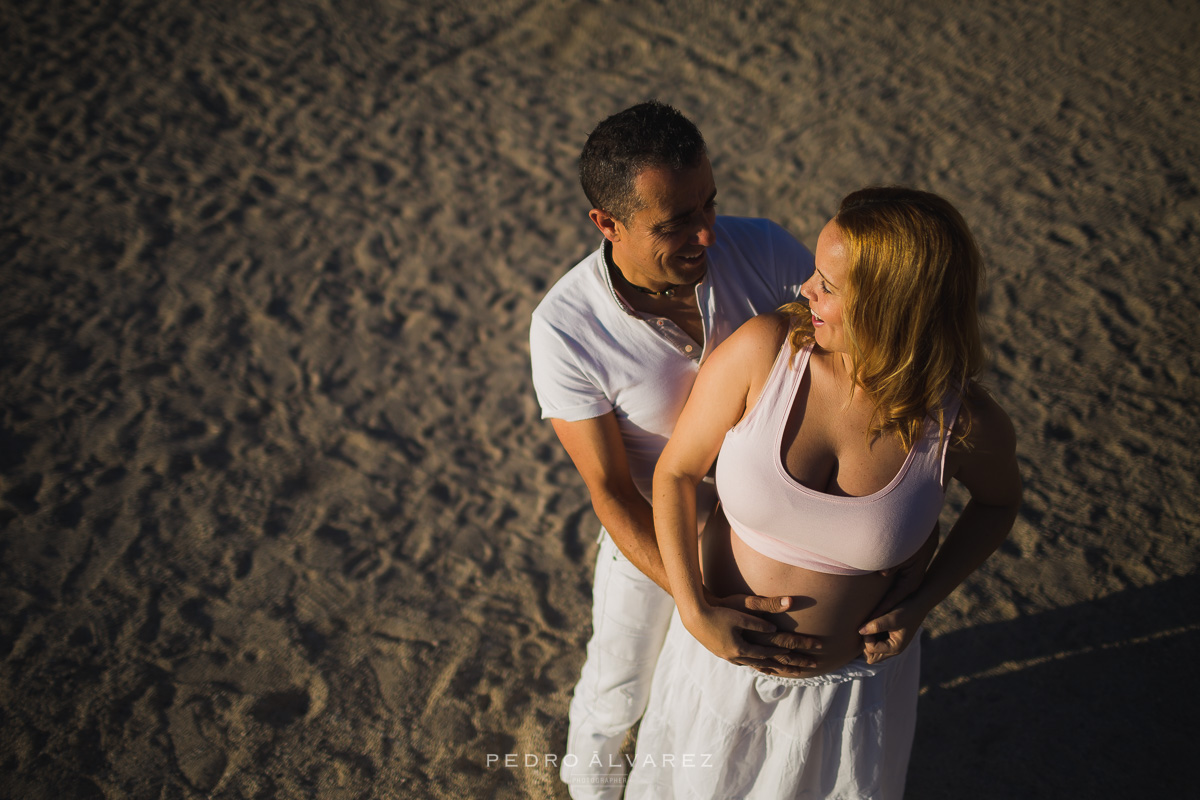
x: 802, y: 658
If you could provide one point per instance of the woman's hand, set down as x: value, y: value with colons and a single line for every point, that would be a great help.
x: 798, y: 652
x: 720, y: 629
x: 889, y: 635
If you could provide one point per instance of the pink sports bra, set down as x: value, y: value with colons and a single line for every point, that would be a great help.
x: 783, y: 519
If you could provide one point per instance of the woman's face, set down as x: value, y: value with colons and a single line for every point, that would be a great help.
x: 826, y: 288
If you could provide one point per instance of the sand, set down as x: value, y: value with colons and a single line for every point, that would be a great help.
x: 279, y: 517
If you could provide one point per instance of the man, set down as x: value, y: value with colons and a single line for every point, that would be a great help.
x: 616, y: 345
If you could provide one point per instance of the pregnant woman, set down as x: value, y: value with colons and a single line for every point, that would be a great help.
x: 838, y: 425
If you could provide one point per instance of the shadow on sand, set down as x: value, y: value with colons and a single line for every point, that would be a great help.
x: 1098, y: 700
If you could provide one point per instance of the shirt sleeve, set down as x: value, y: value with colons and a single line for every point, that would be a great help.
x: 564, y: 388
x: 792, y: 261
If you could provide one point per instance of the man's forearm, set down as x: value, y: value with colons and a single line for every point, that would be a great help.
x: 630, y: 523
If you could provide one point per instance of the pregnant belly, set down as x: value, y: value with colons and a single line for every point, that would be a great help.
x: 832, y: 607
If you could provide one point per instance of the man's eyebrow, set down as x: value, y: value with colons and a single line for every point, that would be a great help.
x: 685, y: 214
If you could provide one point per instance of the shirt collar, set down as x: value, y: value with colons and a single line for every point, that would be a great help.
x: 608, y: 265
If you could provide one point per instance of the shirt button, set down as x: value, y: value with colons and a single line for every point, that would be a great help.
x: 687, y: 349
x: 661, y: 322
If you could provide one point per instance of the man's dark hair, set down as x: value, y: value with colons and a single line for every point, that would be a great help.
x: 650, y: 134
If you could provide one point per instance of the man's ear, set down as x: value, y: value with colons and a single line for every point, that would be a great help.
x: 607, y: 224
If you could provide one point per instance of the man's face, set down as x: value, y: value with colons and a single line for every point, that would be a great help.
x: 666, y: 241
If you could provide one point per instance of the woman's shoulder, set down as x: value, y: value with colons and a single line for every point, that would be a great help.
x: 764, y: 330
x: 778, y: 321
x: 755, y: 345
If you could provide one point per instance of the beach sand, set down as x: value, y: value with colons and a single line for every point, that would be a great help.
x: 278, y: 516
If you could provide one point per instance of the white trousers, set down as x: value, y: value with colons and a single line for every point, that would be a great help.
x: 630, y: 617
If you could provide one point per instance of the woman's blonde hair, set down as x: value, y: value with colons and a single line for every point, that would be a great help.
x: 909, y: 306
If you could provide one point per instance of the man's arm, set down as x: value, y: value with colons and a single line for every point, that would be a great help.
x: 596, y: 448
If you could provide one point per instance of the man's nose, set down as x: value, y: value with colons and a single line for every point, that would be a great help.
x: 706, y: 236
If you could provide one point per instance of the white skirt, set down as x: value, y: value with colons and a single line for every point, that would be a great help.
x: 717, y: 730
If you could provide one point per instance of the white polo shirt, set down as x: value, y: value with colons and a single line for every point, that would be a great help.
x: 592, y: 353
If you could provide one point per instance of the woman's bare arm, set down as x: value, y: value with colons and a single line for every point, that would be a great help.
x: 987, y: 467
x: 734, y: 372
